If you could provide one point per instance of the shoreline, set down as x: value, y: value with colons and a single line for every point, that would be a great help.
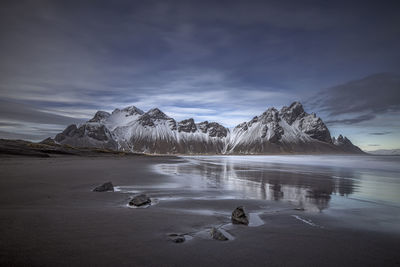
x: 12, y: 148
x: 49, y: 216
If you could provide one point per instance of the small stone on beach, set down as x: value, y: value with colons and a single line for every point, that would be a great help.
x: 218, y: 235
x: 104, y: 187
x: 140, y: 200
x: 176, y: 238
x: 239, y: 216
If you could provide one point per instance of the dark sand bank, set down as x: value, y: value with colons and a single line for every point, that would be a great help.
x: 50, y: 217
x: 48, y: 148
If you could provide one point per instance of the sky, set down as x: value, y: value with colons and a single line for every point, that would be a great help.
x: 224, y: 61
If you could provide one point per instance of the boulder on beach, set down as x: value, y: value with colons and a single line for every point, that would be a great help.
x: 176, y: 238
x: 104, y: 187
x: 218, y: 235
x: 239, y: 216
x: 140, y: 200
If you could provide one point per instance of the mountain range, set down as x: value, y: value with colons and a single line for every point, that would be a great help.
x: 289, y: 130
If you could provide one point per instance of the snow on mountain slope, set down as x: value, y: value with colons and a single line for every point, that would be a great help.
x: 118, y: 117
x: 289, y: 130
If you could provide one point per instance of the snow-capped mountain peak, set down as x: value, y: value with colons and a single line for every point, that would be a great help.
x: 100, y: 116
x: 155, y: 113
x: 132, y: 110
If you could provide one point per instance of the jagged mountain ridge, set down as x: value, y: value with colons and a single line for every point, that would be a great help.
x: 290, y: 130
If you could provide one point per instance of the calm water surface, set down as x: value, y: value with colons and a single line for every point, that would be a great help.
x: 314, y: 182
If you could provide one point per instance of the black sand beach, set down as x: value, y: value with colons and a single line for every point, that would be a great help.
x: 50, y: 217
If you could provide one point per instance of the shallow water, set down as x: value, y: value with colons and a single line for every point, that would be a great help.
x: 316, y: 183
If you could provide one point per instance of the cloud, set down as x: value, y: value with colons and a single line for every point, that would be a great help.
x: 22, y: 113
x: 30, y: 131
x: 380, y: 133
x: 374, y: 95
x: 352, y: 120
x: 374, y: 145
x: 14, y: 135
x: 229, y: 107
x: 9, y: 124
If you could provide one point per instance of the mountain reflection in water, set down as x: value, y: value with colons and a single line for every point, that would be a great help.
x: 308, y: 181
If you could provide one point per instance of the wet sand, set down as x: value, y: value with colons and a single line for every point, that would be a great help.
x: 50, y: 217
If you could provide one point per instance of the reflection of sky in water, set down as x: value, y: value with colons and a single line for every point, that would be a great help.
x: 308, y: 181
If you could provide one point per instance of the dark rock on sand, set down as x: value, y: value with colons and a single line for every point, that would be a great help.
x: 140, y: 200
x: 104, y: 187
x: 176, y: 238
x: 239, y: 216
x: 218, y: 235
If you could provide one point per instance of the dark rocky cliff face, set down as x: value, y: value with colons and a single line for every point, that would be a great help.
x: 310, y: 124
x: 315, y: 128
x: 293, y: 112
x: 87, y: 135
x: 187, y: 126
x: 213, y: 129
x: 271, y: 129
x: 345, y: 144
x: 149, y: 118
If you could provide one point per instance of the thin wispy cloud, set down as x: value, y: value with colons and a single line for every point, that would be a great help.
x: 380, y: 133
